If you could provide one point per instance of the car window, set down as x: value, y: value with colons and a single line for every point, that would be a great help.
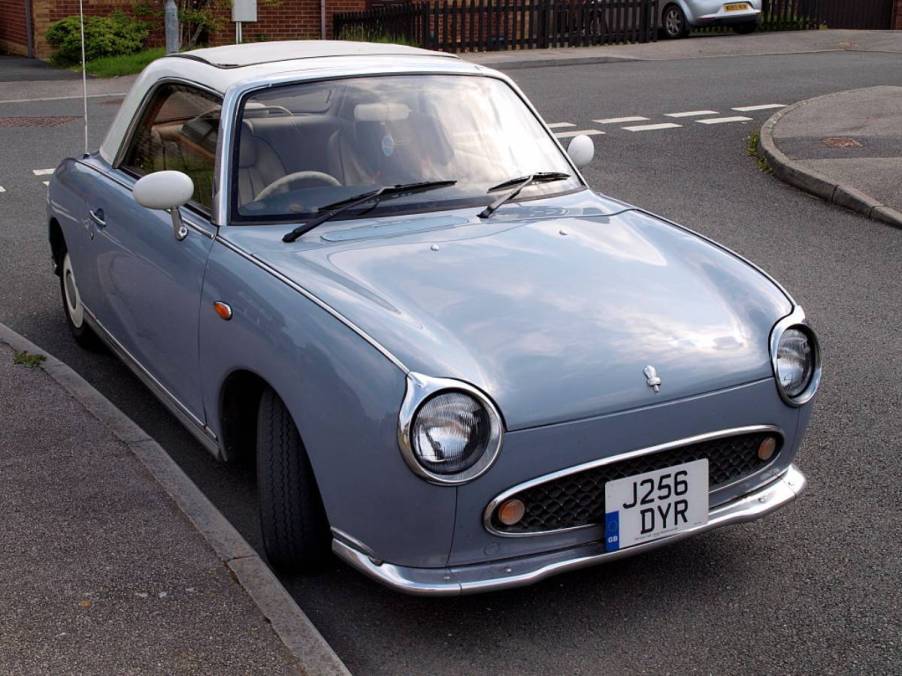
x: 178, y: 130
x: 307, y: 145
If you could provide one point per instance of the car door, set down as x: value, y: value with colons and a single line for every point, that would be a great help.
x: 151, y: 281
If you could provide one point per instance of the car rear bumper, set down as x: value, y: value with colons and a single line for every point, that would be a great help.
x: 522, y: 571
x: 724, y: 18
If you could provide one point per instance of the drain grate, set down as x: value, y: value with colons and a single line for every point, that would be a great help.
x: 842, y: 142
x: 36, y: 121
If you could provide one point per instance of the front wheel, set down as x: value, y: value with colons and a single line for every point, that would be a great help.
x: 74, y: 309
x: 745, y: 28
x: 673, y: 22
x: 296, y: 532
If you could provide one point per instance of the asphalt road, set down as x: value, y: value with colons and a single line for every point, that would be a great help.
x: 813, y: 588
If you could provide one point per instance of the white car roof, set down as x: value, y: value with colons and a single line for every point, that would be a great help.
x: 219, y: 68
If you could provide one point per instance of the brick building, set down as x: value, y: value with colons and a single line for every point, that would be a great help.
x: 276, y: 20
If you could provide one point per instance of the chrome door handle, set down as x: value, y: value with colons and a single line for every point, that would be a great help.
x: 98, y: 217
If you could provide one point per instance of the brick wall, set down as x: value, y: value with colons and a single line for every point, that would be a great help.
x: 897, y: 16
x: 277, y: 20
x: 13, y: 38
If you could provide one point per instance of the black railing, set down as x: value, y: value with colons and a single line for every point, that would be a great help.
x: 489, y: 25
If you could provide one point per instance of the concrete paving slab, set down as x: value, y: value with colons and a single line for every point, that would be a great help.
x: 845, y: 147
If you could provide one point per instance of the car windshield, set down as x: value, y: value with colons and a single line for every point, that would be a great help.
x: 302, y: 147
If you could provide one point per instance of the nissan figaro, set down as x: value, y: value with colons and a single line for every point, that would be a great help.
x: 374, y: 269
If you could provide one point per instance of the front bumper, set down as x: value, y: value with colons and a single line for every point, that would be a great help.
x: 522, y: 571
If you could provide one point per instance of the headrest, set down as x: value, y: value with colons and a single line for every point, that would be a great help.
x: 247, y: 149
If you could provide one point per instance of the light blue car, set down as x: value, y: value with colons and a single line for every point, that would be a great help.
x: 679, y: 17
x: 458, y: 368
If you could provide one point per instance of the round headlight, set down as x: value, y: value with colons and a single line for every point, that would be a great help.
x: 797, y: 360
x: 449, y: 431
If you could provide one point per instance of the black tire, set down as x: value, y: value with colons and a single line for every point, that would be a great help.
x: 296, y: 532
x: 745, y: 28
x: 73, y: 309
x: 673, y: 23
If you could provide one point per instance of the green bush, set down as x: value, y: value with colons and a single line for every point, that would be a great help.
x: 113, y: 35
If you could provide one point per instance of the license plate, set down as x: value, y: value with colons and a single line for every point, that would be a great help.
x: 652, y: 505
x: 736, y: 7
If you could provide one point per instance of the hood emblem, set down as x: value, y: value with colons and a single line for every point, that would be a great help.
x: 651, y: 377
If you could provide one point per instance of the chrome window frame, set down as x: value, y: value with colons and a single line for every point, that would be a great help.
x: 128, y: 137
x: 628, y: 455
x: 235, y: 95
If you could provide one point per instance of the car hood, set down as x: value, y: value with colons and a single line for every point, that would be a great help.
x: 554, y: 313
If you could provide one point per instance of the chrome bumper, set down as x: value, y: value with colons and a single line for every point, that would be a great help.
x: 483, y: 577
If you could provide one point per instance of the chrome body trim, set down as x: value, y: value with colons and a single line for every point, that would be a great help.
x: 576, y: 469
x: 504, y: 574
x: 314, y: 299
x: 192, y: 423
x: 796, y: 319
x: 419, y: 389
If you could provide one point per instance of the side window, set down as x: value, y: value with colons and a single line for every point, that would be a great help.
x: 178, y: 130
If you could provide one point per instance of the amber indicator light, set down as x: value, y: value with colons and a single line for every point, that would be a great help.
x: 223, y: 310
x: 511, y: 512
x: 766, y: 448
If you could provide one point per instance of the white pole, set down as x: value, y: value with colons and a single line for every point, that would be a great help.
x: 84, y: 72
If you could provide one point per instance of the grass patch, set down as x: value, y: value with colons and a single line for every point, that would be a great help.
x: 753, y: 150
x: 25, y: 358
x: 128, y: 64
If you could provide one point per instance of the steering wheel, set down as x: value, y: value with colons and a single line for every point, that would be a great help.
x: 297, y: 177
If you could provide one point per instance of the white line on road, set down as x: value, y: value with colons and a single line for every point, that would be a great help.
x: 653, y: 127
x: 693, y: 113
x: 47, y: 183
x: 560, y: 125
x: 621, y: 120
x: 43, y: 172
x: 571, y: 134
x: 767, y: 106
x: 724, y: 120
x: 2, y: 189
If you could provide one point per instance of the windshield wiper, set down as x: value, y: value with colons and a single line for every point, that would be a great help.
x: 330, y: 210
x: 518, y: 185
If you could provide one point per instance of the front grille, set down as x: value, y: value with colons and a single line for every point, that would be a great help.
x: 578, y: 499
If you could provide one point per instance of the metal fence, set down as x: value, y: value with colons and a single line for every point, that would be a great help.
x: 861, y: 14
x: 489, y: 25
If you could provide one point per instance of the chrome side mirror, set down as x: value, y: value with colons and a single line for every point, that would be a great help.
x: 166, y: 190
x: 581, y: 150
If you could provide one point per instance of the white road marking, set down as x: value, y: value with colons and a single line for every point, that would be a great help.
x: 766, y: 106
x: 560, y: 125
x: 2, y: 189
x: 43, y: 172
x: 693, y: 113
x: 724, y: 120
x: 653, y: 127
x: 47, y: 183
x: 621, y: 120
x: 571, y: 134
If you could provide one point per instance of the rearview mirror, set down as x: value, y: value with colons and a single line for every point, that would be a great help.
x: 166, y: 190
x: 581, y: 150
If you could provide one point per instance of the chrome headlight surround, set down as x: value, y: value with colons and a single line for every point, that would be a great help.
x: 796, y: 321
x: 420, y: 390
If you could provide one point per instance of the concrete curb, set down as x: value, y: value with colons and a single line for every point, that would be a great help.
x: 804, y: 178
x: 290, y: 623
x: 514, y: 62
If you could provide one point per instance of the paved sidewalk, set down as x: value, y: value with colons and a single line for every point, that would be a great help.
x: 844, y: 147
x: 756, y: 44
x: 111, y: 561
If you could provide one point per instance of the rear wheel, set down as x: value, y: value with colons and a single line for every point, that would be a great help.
x: 74, y: 309
x: 296, y: 532
x: 673, y: 22
x: 745, y: 28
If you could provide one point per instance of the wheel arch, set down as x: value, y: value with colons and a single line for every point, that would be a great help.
x: 57, y: 244
x: 239, y: 399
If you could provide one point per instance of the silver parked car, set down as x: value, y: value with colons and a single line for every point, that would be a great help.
x: 374, y: 269
x: 678, y: 17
